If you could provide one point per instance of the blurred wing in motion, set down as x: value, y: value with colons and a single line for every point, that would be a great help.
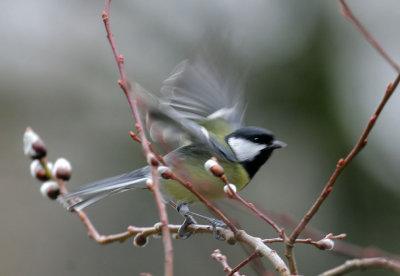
x: 167, y: 125
x: 204, y: 88
x: 199, y: 99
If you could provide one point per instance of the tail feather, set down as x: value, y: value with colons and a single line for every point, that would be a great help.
x: 91, y: 193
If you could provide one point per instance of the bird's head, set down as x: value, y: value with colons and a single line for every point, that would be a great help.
x: 252, y: 147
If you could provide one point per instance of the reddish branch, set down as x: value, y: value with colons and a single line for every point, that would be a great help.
x: 243, y: 263
x: 350, y: 16
x: 341, y: 247
x: 362, y: 141
x: 131, y: 230
x: 168, y: 249
x: 342, y: 163
x: 251, y: 206
x: 321, y: 244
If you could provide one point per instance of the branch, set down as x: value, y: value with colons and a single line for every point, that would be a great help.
x: 168, y: 249
x: 350, y: 16
x: 362, y: 141
x: 326, y: 243
x: 262, y: 250
x: 223, y: 260
x: 363, y: 264
x: 242, y: 264
x: 216, y: 169
x: 342, y: 247
x: 342, y: 163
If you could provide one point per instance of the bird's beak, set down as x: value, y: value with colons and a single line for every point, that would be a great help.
x: 277, y: 144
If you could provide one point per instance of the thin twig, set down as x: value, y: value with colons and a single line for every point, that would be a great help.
x: 144, y: 231
x: 350, y: 16
x: 342, y: 163
x: 168, y: 249
x: 223, y: 260
x: 251, y: 206
x: 243, y: 263
x: 342, y: 247
x: 319, y: 244
x: 363, y: 264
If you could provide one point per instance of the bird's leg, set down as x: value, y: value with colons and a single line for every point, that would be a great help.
x: 183, y: 209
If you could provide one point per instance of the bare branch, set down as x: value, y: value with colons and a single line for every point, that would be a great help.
x: 262, y: 250
x: 350, y: 16
x: 223, y: 260
x: 361, y: 143
x: 363, y: 264
x: 242, y: 264
x: 342, y: 163
x: 168, y: 249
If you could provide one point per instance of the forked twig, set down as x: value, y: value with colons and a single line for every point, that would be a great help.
x: 223, y: 260
x: 362, y: 141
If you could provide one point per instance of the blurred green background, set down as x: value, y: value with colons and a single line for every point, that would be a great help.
x: 313, y: 81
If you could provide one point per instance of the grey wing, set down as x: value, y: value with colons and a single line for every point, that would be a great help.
x: 198, y: 90
x: 91, y: 193
x: 205, y: 87
x: 166, y: 124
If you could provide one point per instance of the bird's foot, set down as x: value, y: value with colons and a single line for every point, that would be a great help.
x: 183, y: 209
x: 216, y: 223
x: 182, y: 232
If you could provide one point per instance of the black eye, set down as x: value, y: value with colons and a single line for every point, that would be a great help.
x: 256, y: 139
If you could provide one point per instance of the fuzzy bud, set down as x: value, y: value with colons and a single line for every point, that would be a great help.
x: 152, y: 160
x: 165, y: 172
x: 214, y: 168
x: 50, y: 189
x: 37, y: 170
x: 217, y: 254
x: 227, y: 189
x: 33, y: 145
x: 149, y: 183
x: 140, y: 240
x: 326, y: 244
x: 62, y: 169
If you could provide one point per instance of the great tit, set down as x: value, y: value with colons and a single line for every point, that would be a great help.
x: 202, y: 109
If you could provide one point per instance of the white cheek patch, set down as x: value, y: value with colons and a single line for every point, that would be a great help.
x: 245, y: 150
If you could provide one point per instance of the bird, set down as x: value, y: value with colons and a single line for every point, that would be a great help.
x: 200, y: 112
